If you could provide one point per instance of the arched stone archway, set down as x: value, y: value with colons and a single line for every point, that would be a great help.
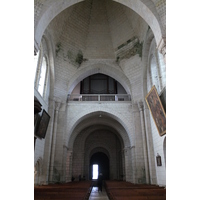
x: 111, y: 70
x: 91, y: 119
x: 90, y: 142
x: 88, y: 135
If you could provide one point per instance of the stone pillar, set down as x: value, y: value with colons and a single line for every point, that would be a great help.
x: 86, y: 167
x: 123, y: 166
x: 150, y: 148
x: 53, y: 144
x: 69, y: 165
x: 141, y: 109
x: 82, y: 164
x: 158, y: 71
x: 133, y: 154
x: 127, y: 165
x: 48, y: 141
x: 64, y: 158
x: 129, y: 155
x: 136, y: 153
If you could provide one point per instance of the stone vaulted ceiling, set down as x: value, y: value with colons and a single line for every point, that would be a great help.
x: 111, y: 13
x: 97, y: 28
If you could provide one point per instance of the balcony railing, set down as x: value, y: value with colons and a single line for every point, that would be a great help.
x: 99, y: 97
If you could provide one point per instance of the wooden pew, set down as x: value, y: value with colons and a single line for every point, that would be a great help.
x: 121, y: 190
x: 68, y: 191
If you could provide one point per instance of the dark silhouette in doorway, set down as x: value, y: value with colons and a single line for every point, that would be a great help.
x: 100, y: 182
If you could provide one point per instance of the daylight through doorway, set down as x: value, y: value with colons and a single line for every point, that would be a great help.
x: 95, y: 171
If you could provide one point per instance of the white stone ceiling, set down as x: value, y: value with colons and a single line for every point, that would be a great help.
x: 97, y: 27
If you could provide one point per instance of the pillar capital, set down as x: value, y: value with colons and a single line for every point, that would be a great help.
x: 140, y: 105
x: 162, y: 47
x: 57, y: 106
x: 55, y: 103
x: 65, y: 147
x: 36, y: 47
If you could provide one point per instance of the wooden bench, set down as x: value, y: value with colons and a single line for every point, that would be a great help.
x: 74, y: 190
x: 121, y: 190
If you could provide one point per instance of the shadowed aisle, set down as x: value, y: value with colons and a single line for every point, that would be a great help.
x: 95, y: 195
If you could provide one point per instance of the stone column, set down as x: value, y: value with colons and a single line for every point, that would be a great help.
x: 150, y: 148
x: 129, y: 155
x: 127, y: 165
x: 64, y: 158
x: 158, y: 71
x: 48, y: 141
x: 133, y: 155
x: 69, y: 165
x: 141, y: 109
x: 86, y: 167
x: 57, y: 107
x: 82, y: 164
x: 123, y: 166
x: 60, y: 150
x: 136, y: 153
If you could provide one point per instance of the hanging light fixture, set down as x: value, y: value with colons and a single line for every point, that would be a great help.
x: 100, y: 114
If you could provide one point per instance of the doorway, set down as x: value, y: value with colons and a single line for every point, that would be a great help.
x: 95, y: 171
x: 99, y: 163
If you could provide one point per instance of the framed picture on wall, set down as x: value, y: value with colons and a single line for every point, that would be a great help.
x: 163, y: 98
x: 158, y: 160
x: 157, y: 110
x: 43, y: 125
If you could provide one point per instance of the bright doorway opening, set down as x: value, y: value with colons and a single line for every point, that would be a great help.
x: 95, y: 171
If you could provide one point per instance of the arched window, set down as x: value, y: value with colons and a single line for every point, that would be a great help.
x: 36, y: 57
x: 162, y: 70
x: 156, y: 68
x: 42, y: 76
x: 154, y: 73
x: 41, y: 64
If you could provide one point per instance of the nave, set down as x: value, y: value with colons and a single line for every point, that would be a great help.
x: 98, y: 195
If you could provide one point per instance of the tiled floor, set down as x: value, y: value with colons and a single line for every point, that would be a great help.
x: 95, y: 195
